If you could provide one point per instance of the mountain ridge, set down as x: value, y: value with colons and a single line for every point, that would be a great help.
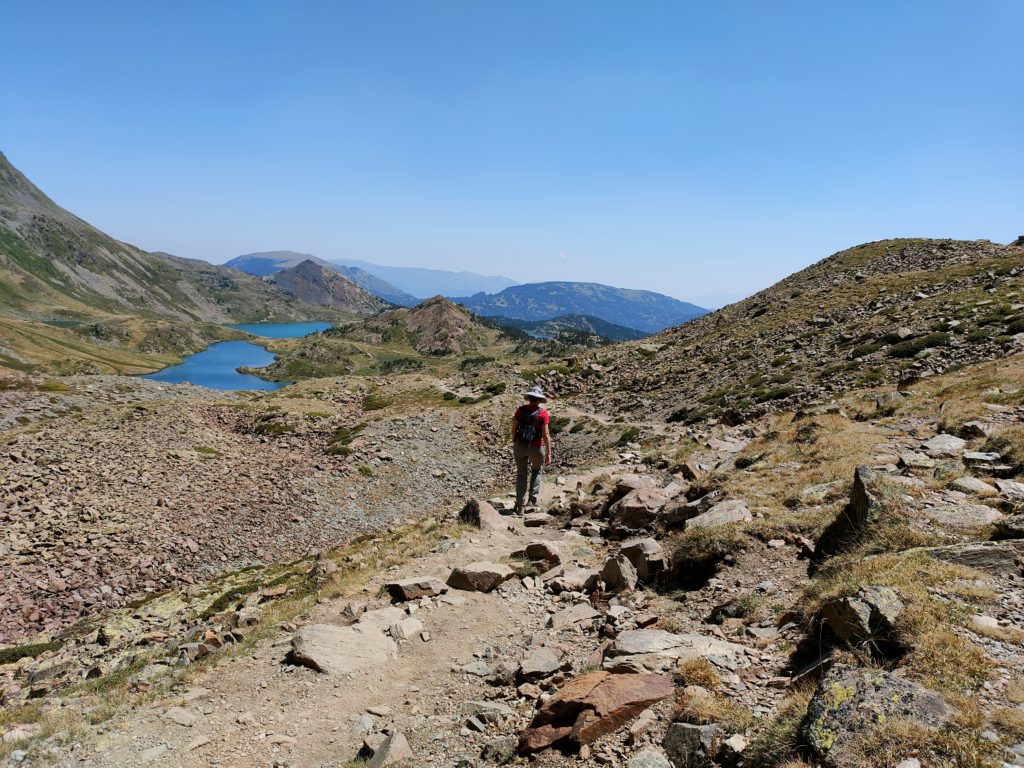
x: 633, y: 308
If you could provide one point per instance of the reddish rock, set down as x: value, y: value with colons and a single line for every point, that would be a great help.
x: 590, y: 707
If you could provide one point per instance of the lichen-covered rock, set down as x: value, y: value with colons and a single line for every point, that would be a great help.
x: 869, y: 615
x: 850, y: 704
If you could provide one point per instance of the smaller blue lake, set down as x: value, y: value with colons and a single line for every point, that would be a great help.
x: 215, y: 366
x: 281, y: 330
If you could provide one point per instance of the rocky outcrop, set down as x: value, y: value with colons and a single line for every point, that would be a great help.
x: 480, y: 577
x: 340, y: 650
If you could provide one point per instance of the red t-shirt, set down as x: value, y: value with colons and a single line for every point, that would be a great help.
x: 542, y: 418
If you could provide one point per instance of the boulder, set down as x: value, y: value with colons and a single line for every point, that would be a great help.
x: 480, y: 577
x: 394, y: 750
x: 1011, y: 489
x: 339, y: 650
x: 415, y: 587
x: 648, y: 758
x: 1000, y: 558
x: 574, y: 614
x: 547, y: 551
x: 964, y: 517
x: 944, y: 447
x: 647, y: 556
x: 972, y: 429
x: 538, y: 664
x: 482, y: 515
x: 868, y: 616
x: 723, y: 513
x: 629, y: 483
x: 592, y: 706
x: 618, y: 574
x: 915, y: 460
x: 1011, y: 527
x: 850, y: 703
x: 382, y: 619
x: 639, y: 508
x: 691, y: 746
x: 656, y: 649
x: 406, y: 629
x: 573, y: 580
x: 973, y: 485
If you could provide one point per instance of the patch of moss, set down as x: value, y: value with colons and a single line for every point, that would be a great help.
x: 14, y: 653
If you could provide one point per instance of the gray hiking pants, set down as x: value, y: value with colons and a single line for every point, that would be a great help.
x: 529, y: 459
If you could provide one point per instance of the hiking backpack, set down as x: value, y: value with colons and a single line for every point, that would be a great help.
x: 526, y: 432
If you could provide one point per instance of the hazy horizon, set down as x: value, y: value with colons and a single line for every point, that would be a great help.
x: 703, y: 152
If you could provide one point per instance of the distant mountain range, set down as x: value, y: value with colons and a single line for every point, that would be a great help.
x: 622, y: 308
x: 426, y: 283
x: 268, y: 262
x: 553, y: 328
x: 643, y: 310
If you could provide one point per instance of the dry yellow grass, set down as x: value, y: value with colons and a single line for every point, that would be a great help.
x: 699, y: 672
x: 707, y: 708
x: 776, y: 744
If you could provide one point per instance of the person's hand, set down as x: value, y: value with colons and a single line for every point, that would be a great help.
x: 547, y: 459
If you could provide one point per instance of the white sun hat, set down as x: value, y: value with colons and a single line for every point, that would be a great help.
x: 536, y: 392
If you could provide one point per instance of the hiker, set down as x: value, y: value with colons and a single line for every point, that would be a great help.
x: 531, y: 445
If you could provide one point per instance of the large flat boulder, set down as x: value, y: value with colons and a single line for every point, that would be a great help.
x: 965, y: 517
x: 480, y: 577
x: 944, y: 447
x: 592, y: 706
x: 337, y: 650
x: 656, y: 649
x: 723, y: 513
x: 999, y: 558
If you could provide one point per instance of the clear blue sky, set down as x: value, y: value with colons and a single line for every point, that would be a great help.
x: 701, y: 149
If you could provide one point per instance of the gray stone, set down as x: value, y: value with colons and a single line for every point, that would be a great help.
x: 944, y: 447
x: 850, y: 703
x: 973, y: 485
x: 538, y: 664
x: 647, y: 556
x: 639, y: 508
x: 340, y: 650
x: 1011, y: 527
x: 547, y: 551
x: 482, y: 515
x: 153, y: 753
x: 477, y: 669
x: 870, y: 615
x: 964, y: 517
x: 732, y: 749
x: 1011, y: 489
x: 487, y: 711
x: 573, y: 580
x: 480, y: 577
x: 654, y: 649
x: 406, y: 629
x: 914, y: 460
x: 691, y: 746
x: 723, y: 513
x: 394, y: 750
x: 618, y: 574
x: 537, y: 520
x: 574, y: 614
x: 1001, y: 558
x: 649, y: 758
x: 980, y: 458
x: 181, y: 716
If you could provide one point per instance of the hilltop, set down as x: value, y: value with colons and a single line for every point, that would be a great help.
x: 313, y: 283
x: 880, y: 313
x: 640, y: 310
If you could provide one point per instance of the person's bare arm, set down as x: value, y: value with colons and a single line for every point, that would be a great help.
x: 515, y: 429
x: 547, y: 444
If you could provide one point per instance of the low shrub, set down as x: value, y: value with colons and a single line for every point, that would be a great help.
x: 911, y: 347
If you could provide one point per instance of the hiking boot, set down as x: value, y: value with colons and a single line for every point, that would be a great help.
x: 532, y: 502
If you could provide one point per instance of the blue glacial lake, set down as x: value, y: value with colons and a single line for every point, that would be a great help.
x: 216, y: 366
x: 281, y: 330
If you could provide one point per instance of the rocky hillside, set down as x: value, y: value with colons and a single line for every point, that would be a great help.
x: 884, y: 312
x: 571, y: 325
x: 313, y: 283
x: 53, y: 264
x: 435, y: 327
x: 269, y: 262
x: 641, y: 310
